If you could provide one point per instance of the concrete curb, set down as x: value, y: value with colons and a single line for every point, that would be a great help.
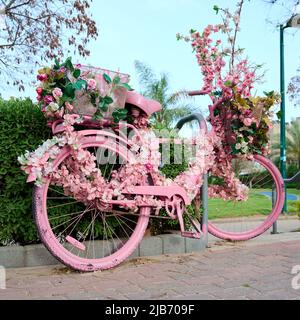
x: 38, y: 255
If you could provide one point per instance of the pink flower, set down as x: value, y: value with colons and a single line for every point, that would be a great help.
x: 78, y: 66
x: 63, y: 69
x: 69, y: 106
x: 39, y: 91
x: 92, y: 84
x: 42, y: 77
x: 57, y: 93
x: 248, y: 122
x: 149, y: 166
x: 248, y: 113
x: 39, y: 98
x: 48, y: 99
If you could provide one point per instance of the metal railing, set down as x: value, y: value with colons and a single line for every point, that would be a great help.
x: 294, y: 179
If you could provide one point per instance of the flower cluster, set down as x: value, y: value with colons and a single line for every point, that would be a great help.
x: 67, y: 88
x: 244, y: 124
x: 241, y: 120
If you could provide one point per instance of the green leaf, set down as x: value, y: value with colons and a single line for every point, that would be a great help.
x: 216, y: 112
x: 103, y: 106
x: 193, y: 31
x: 69, y: 65
x: 126, y: 86
x: 107, y: 78
x: 104, y: 103
x: 117, y: 80
x: 69, y: 91
x: 57, y: 64
x: 279, y: 115
x: 269, y: 94
x: 108, y: 100
x: 93, y: 98
x: 77, y: 73
x: 80, y: 84
x: 217, y: 9
x: 120, y: 114
x: 228, y: 84
x: 98, y: 116
x: 65, y: 98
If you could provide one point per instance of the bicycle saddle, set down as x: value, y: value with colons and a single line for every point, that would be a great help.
x: 147, y: 105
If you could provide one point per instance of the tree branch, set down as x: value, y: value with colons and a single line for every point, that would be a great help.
x: 14, y: 41
x: 9, y: 7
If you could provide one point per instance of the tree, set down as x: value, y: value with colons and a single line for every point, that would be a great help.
x: 294, y: 89
x: 289, y: 5
x: 174, y: 106
x: 288, y: 9
x: 35, y: 31
x: 292, y: 144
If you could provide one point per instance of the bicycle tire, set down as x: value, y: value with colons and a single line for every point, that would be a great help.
x: 54, y: 245
x: 270, y: 219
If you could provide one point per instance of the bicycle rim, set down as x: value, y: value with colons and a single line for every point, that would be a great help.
x: 80, y: 236
x: 244, y: 220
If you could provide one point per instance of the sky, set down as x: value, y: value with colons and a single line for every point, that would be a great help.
x: 146, y: 30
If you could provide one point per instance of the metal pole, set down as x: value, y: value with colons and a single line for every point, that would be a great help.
x: 275, y: 225
x: 205, y: 206
x: 283, y: 118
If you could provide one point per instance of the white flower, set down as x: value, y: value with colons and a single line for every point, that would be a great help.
x: 53, y: 107
x: 23, y: 160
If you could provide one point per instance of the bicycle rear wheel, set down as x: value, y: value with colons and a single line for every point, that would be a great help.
x: 244, y: 220
x: 79, y: 234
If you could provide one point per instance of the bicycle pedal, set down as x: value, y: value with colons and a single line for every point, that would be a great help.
x: 192, y: 235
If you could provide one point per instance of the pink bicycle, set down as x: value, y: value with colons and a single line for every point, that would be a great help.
x: 93, y: 210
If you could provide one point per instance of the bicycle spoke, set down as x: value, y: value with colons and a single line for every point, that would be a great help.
x: 92, y: 233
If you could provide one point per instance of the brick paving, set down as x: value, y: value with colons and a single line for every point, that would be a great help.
x: 253, y: 272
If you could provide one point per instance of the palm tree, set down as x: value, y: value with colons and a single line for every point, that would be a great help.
x: 174, y: 106
x: 292, y: 144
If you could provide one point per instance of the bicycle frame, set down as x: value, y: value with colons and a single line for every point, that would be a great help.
x: 174, y: 197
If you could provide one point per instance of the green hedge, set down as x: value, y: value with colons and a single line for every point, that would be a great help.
x: 22, y: 127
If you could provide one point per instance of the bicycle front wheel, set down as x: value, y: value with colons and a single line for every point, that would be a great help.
x: 244, y: 220
x: 80, y: 234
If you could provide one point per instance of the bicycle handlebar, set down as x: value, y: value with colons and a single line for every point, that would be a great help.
x: 198, y: 93
x: 197, y: 116
x: 294, y: 179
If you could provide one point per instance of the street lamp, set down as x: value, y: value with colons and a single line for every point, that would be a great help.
x: 294, y: 22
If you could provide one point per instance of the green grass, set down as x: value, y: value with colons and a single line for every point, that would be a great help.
x: 256, y: 205
x: 293, y: 206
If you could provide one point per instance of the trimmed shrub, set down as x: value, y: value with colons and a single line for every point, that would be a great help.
x: 22, y: 127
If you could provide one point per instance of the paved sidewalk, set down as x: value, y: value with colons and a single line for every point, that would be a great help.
x: 259, y: 269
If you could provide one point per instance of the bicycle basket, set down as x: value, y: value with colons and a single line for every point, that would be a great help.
x: 82, y: 104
